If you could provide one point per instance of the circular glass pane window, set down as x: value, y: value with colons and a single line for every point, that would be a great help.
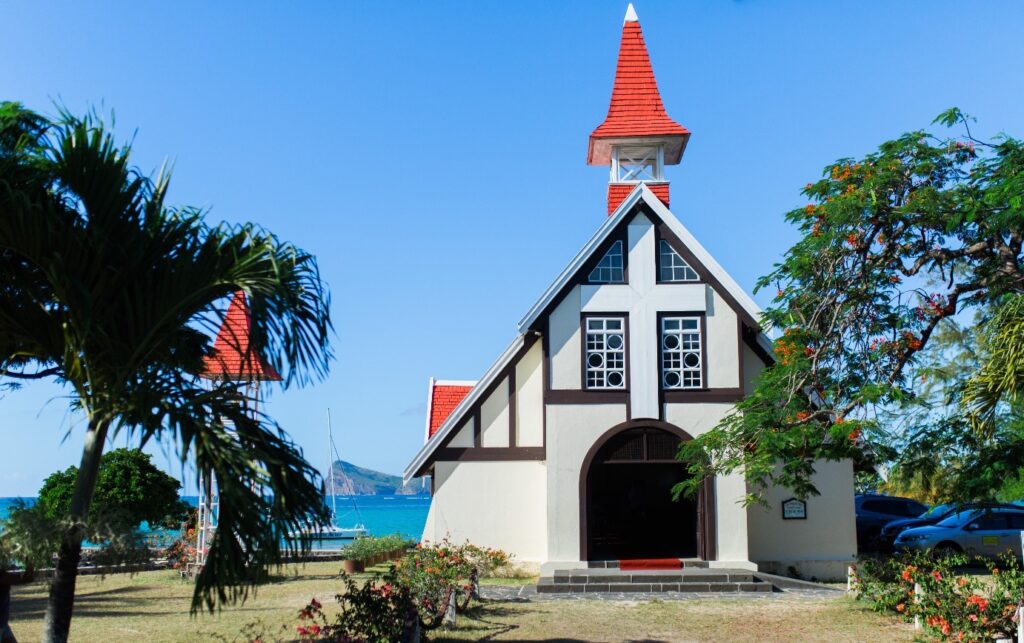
x: 691, y: 360
x: 595, y: 359
x: 671, y: 379
x: 615, y: 342
x: 614, y: 379
x: 671, y: 342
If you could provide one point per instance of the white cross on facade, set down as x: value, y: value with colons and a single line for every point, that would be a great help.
x: 642, y: 299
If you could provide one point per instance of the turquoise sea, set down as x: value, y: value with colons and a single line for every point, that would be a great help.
x: 381, y: 515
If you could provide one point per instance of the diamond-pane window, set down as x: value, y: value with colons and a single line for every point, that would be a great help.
x: 605, y: 356
x: 681, y: 353
x: 610, y: 270
x: 672, y: 266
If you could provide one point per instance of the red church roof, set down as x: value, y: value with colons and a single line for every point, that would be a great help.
x: 444, y: 397
x: 636, y: 109
x: 232, y: 357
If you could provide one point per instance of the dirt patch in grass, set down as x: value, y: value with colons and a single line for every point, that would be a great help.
x: 153, y: 606
x: 719, y: 619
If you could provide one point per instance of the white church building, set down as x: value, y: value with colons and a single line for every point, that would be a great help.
x: 563, y: 452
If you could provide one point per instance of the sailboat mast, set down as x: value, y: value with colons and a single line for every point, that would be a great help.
x: 330, y: 465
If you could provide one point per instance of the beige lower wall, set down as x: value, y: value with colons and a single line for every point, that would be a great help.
x: 491, y: 504
x: 820, y: 546
x: 731, y: 518
x: 572, y: 431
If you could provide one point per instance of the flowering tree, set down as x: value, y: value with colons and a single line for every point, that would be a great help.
x: 894, y: 243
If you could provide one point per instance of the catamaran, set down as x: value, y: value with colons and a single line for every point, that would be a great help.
x: 332, y: 531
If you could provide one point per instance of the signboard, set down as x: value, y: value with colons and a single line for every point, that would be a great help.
x: 794, y: 509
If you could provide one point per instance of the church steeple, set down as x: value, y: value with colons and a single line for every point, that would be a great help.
x: 637, y: 139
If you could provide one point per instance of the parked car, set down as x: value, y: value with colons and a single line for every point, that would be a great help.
x: 984, y: 532
x: 887, y: 537
x: 876, y: 511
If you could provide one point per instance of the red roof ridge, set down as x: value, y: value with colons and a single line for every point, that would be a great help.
x: 232, y: 357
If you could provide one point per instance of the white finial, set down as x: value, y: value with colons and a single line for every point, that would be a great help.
x: 630, y: 14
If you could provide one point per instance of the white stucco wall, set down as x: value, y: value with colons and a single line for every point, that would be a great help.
x: 820, y: 546
x: 464, y: 435
x: 492, y: 504
x: 564, y: 343
x: 572, y: 430
x: 494, y: 417
x: 722, y: 345
x: 530, y: 398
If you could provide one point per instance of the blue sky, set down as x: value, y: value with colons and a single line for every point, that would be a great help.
x: 432, y: 155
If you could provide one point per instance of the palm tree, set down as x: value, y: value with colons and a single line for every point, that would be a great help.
x: 999, y: 381
x: 117, y: 296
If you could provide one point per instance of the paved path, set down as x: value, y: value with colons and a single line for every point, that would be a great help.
x: 527, y: 593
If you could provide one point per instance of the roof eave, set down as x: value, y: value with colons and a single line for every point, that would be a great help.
x: 453, y: 420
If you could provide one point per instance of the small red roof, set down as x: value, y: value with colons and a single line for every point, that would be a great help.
x: 636, y: 109
x: 232, y: 357
x: 444, y: 397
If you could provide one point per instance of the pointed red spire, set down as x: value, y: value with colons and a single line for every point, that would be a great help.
x: 636, y: 109
x: 232, y: 357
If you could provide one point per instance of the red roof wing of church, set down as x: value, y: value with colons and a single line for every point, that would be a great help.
x: 232, y: 357
x: 444, y: 397
x: 636, y: 108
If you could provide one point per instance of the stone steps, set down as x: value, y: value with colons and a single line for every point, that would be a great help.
x: 698, y: 580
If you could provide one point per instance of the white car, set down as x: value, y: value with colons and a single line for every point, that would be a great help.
x: 981, y: 532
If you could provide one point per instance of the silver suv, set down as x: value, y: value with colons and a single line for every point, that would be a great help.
x: 982, y: 532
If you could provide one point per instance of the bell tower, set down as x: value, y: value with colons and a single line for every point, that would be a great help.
x: 637, y: 139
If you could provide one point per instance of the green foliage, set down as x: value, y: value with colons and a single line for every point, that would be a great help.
x: 379, y: 610
x: 130, y: 490
x: 117, y: 295
x: 28, y: 536
x: 433, y: 572
x: 365, y: 548
x: 950, y: 604
x: 892, y: 245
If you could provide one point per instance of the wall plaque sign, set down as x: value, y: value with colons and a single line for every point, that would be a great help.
x: 794, y: 509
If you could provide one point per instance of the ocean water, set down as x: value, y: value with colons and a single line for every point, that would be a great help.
x: 381, y: 515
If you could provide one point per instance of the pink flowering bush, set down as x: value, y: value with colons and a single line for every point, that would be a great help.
x: 951, y: 605
x: 378, y: 611
x: 434, y: 572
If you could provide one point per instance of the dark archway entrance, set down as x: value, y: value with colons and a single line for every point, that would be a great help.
x: 628, y: 510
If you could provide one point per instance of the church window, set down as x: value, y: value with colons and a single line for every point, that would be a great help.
x: 681, y: 359
x: 673, y: 267
x: 605, y: 358
x: 610, y: 269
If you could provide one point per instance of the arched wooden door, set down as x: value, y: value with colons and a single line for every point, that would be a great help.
x: 628, y: 511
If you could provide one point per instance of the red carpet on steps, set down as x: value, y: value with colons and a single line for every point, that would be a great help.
x: 650, y: 563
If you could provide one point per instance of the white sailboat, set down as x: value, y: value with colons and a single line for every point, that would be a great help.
x: 332, y: 531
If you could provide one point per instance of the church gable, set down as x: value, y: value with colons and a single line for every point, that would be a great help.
x: 670, y: 331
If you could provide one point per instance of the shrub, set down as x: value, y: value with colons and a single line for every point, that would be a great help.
x: 380, y: 610
x: 950, y: 604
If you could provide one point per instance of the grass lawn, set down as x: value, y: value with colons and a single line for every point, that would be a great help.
x: 153, y: 606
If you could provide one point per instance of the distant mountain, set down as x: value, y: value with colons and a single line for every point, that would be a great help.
x: 350, y: 480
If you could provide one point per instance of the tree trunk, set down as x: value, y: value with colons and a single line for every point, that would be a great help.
x: 57, y: 623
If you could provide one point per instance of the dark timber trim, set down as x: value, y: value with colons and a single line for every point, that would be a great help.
x: 512, y: 406
x: 473, y: 413
x: 489, y: 454
x: 706, y: 547
x: 572, y: 396
x: 688, y: 396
